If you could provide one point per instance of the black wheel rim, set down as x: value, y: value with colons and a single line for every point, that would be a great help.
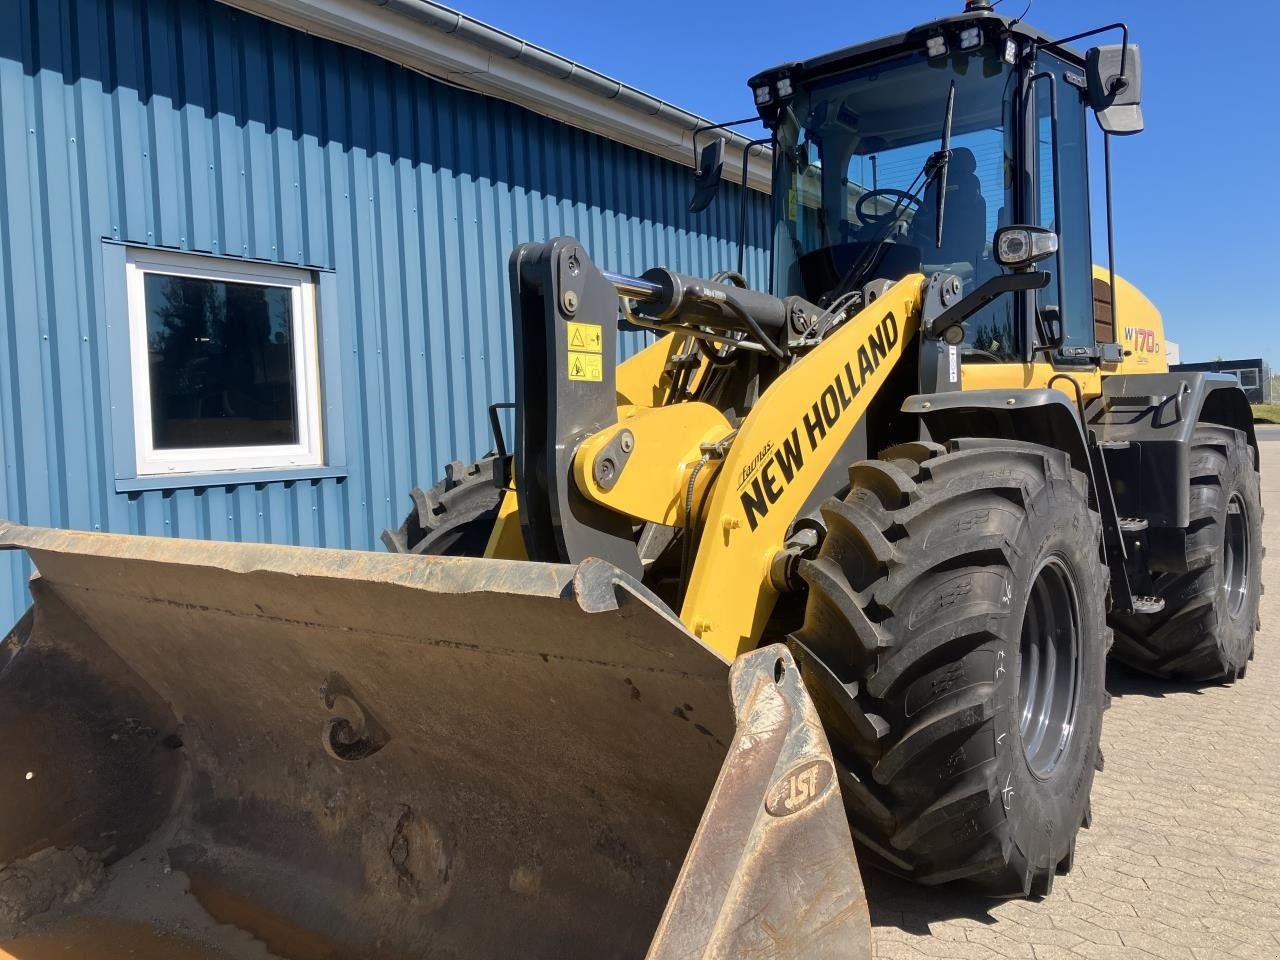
x: 1050, y: 667
x: 1235, y: 562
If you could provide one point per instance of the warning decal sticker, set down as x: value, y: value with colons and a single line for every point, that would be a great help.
x: 585, y: 366
x: 586, y: 343
x: 585, y: 337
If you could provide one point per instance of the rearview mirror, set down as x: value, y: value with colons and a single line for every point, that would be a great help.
x: 1115, y: 87
x: 1051, y: 335
x: 706, y: 181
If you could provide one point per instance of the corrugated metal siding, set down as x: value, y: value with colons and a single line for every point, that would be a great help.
x: 189, y: 125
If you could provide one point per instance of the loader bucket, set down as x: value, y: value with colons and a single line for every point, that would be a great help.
x: 225, y: 750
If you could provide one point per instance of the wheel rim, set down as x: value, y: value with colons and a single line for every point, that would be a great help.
x: 1235, y: 564
x: 1050, y: 667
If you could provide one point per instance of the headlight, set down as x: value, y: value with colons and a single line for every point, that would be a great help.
x: 1018, y: 247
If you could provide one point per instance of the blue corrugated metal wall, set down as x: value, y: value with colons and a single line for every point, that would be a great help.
x: 186, y: 124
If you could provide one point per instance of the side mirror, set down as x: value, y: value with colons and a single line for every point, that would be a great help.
x: 706, y: 181
x: 1115, y: 87
x: 1052, y: 334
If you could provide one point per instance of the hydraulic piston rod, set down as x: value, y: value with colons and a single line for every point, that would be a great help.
x: 634, y: 288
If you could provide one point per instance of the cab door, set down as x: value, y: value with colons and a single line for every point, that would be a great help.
x: 1055, y: 196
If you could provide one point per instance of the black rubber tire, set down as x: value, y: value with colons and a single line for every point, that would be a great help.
x: 1201, y: 635
x: 455, y: 517
x: 911, y: 649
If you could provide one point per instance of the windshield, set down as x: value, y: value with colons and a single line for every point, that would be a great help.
x: 852, y: 203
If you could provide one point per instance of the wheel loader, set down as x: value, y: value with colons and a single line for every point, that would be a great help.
x: 837, y: 562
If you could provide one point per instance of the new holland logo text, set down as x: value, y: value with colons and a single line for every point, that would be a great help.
x: 788, y: 459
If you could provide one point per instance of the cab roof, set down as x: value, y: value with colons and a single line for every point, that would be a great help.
x: 884, y: 48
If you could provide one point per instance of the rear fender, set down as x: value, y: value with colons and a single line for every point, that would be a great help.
x: 1147, y: 421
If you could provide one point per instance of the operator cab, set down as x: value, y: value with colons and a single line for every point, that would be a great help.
x: 974, y: 119
x: 853, y: 200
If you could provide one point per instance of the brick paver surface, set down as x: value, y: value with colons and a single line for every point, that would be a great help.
x: 1183, y: 860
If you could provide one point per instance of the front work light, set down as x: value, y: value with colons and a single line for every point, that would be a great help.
x: 936, y: 46
x: 970, y: 37
x: 1019, y: 247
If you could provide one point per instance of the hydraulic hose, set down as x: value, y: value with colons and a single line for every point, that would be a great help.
x: 765, y: 341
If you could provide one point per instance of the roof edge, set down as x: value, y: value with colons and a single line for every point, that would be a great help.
x: 440, y: 42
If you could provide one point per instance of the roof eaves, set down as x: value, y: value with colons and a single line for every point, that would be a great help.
x: 440, y: 42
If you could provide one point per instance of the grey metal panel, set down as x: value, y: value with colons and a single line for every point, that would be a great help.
x: 191, y: 125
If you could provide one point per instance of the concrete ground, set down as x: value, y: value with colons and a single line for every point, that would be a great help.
x: 1267, y: 431
x: 1183, y: 861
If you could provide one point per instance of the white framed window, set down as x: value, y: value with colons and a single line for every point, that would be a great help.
x: 1248, y: 378
x: 224, y: 364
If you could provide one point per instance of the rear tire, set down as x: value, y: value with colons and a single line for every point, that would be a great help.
x: 1206, y: 630
x: 922, y: 654
x: 455, y: 517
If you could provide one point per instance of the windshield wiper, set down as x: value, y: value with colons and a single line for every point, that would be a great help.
x: 937, y: 166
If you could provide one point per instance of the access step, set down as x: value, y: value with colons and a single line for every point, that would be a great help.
x: 1133, y: 524
x: 1147, y: 605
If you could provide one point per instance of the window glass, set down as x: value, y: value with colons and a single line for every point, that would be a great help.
x: 852, y: 202
x: 1072, y: 221
x: 221, y: 363
x: 225, y: 364
x: 1248, y: 378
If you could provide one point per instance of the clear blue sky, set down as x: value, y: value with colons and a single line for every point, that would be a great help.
x: 1197, y: 193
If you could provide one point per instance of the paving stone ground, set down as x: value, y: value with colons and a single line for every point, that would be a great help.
x: 1183, y: 860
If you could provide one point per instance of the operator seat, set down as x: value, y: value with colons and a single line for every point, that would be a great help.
x: 964, y: 227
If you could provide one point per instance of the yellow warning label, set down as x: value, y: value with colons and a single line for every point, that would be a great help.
x: 585, y: 337
x: 585, y: 366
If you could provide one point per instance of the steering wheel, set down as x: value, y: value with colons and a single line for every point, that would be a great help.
x: 901, y: 200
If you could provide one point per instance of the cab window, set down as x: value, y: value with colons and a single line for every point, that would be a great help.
x: 1071, y: 222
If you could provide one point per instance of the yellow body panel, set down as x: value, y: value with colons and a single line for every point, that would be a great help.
x: 1140, y: 330
x: 643, y: 379
x: 653, y: 485
x: 642, y: 382
x: 506, y: 541
x: 783, y: 446
x: 1030, y: 376
x: 1141, y: 333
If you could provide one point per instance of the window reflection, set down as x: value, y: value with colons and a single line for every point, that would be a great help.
x: 221, y: 363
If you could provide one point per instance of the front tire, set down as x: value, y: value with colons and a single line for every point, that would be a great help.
x: 1206, y: 630
x: 455, y: 517
x: 955, y: 645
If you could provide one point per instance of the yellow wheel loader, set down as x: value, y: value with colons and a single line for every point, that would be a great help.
x: 839, y: 562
